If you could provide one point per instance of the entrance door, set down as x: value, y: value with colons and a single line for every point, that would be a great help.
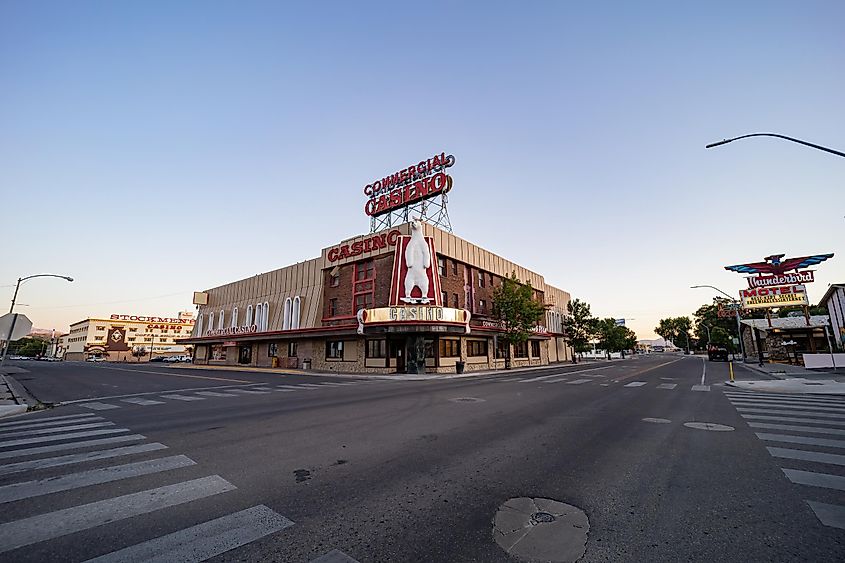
x: 397, y: 353
x: 245, y: 354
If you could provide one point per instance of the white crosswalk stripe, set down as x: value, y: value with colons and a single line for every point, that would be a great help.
x: 635, y: 384
x: 578, y: 381
x: 667, y: 385
x: 216, y: 394
x: 205, y: 540
x: 56, y: 420
x: 196, y: 542
x: 701, y: 388
x: 801, y: 419
x: 142, y: 402
x: 97, y: 406
x: 183, y: 397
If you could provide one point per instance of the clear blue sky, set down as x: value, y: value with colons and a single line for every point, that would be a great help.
x: 150, y: 149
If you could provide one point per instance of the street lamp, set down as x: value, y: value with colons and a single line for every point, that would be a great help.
x: 708, y: 333
x: 12, y: 308
x: 738, y: 327
x: 821, y: 148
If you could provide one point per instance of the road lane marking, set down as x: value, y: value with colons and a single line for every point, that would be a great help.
x: 52, y: 421
x: 204, y: 541
x: 297, y: 387
x: 182, y: 397
x: 142, y: 402
x: 148, y: 393
x: 795, y: 428
x: 43, y: 463
x: 51, y: 525
x: 215, y: 394
x: 703, y: 372
x: 791, y: 413
x: 700, y: 388
x: 791, y: 419
x: 309, y: 385
x: 99, y: 406
x: 249, y: 392
x: 808, y: 408
x: 822, y: 480
x: 797, y: 402
x: 832, y: 515
x: 635, y: 384
x: 797, y: 397
x: 554, y: 380
x: 636, y: 373
x: 804, y: 455
x: 71, y: 446
x: 560, y: 374
x: 667, y: 385
x: 179, y: 375
x: 71, y: 436
x: 30, y: 489
x: 41, y: 431
x: 828, y: 443
x: 578, y: 381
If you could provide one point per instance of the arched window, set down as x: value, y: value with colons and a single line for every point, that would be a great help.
x: 249, y: 316
x: 199, y: 325
x: 222, y: 317
x: 258, y: 315
x: 294, y: 315
x: 286, y: 319
x: 234, y: 317
x: 265, y: 316
x: 211, y: 320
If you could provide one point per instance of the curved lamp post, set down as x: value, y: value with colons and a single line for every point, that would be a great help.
x: 799, y: 141
x: 738, y: 327
x: 12, y: 308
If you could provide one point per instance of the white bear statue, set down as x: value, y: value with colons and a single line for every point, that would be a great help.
x: 418, y: 261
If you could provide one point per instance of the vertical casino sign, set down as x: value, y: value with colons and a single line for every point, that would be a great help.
x: 415, y: 183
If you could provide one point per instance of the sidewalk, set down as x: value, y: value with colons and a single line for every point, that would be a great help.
x: 784, y: 378
x: 11, y: 402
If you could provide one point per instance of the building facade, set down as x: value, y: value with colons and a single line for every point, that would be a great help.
x: 115, y: 338
x: 411, y: 298
x: 834, y: 301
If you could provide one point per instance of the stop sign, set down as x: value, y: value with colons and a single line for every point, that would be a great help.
x: 22, y: 326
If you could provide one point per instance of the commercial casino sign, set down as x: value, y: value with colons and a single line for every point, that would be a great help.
x: 417, y: 182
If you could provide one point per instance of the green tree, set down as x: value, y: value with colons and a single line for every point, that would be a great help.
x: 579, y: 326
x: 518, y: 311
x: 139, y: 352
x: 675, y: 330
x: 614, y: 338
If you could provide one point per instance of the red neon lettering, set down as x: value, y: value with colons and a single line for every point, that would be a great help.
x: 332, y: 256
x: 368, y: 245
x: 344, y: 251
x: 379, y: 242
x: 392, y: 236
x: 357, y: 248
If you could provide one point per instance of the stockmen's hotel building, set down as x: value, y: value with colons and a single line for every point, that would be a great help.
x: 410, y: 298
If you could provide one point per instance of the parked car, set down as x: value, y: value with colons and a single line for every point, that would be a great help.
x: 96, y: 359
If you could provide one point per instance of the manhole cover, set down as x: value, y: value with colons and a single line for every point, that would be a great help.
x: 709, y: 426
x: 467, y: 400
x: 541, y: 529
x: 657, y: 420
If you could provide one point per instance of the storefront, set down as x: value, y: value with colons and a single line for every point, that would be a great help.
x: 410, y: 298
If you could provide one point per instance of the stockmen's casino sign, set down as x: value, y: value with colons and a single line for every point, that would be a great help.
x: 417, y: 182
x: 776, y: 284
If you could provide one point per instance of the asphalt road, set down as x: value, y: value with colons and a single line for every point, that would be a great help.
x: 291, y: 467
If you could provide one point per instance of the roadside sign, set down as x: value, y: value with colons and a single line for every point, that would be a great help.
x: 22, y: 326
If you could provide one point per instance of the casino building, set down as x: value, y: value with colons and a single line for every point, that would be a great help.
x: 115, y: 338
x: 408, y: 298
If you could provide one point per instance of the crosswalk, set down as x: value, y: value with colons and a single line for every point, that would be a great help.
x: 165, y: 397
x: 31, y: 468
x: 806, y: 435
x: 598, y: 379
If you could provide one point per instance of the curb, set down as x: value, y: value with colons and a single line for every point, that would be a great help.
x: 10, y: 410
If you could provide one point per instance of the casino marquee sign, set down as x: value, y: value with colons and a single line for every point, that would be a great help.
x: 412, y: 314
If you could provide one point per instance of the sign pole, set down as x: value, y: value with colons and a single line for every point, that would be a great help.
x: 9, y: 338
x: 739, y: 334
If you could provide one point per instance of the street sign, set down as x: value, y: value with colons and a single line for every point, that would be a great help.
x: 22, y: 326
x: 620, y: 322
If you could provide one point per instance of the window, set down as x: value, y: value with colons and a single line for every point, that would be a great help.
x: 441, y: 266
x: 364, y: 270
x: 245, y: 355
x: 286, y: 314
x: 211, y: 321
x: 363, y: 301
x: 455, y: 267
x: 234, y: 317
x: 376, y: 348
x: 333, y: 307
x: 218, y: 353
x: 535, y: 348
x: 295, y: 312
x: 480, y: 279
x: 131, y: 339
x: 101, y: 328
x: 273, y: 349
x: 334, y: 349
x: 476, y: 348
x: 520, y: 350
x: 220, y: 323
x: 491, y: 280
x: 199, y: 322
x: 259, y: 317
x: 249, y: 316
x: 482, y: 307
x: 455, y: 300
x: 501, y: 348
x: 444, y: 298
x: 291, y: 349
x: 334, y: 280
x: 450, y: 348
x: 265, y: 316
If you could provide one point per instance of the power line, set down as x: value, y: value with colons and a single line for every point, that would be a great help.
x: 114, y: 302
